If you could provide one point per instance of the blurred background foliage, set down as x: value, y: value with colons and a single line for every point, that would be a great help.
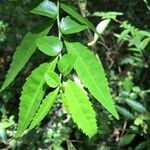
x: 125, y: 54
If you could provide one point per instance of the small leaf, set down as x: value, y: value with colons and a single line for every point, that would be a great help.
x: 126, y: 140
x: 125, y: 112
x: 52, y: 79
x: 145, y: 116
x: 69, y: 26
x: 32, y: 95
x: 128, y: 84
x: 108, y: 15
x: 24, y: 52
x: 136, y: 89
x: 135, y: 40
x: 91, y: 73
x: 46, y: 8
x: 80, y: 108
x: 138, y: 121
x: 50, y: 45
x: 136, y: 105
x: 44, y: 108
x: 70, y: 10
x: 66, y: 63
x: 144, y: 43
x: 145, y: 33
x: 127, y: 60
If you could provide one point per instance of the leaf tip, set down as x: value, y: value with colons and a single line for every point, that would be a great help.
x: 3, y: 87
x: 117, y: 116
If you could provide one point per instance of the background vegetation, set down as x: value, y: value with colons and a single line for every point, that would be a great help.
x: 126, y: 59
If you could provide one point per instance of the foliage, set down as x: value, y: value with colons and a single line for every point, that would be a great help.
x: 121, y: 40
x: 80, y: 106
x: 52, y: 46
x: 22, y: 54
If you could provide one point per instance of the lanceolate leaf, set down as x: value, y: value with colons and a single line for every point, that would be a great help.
x: 144, y: 43
x: 80, y: 108
x: 67, y: 8
x: 44, y: 108
x: 126, y: 139
x: 136, y: 105
x: 32, y: 95
x: 125, y: 112
x: 91, y: 73
x: 46, y: 8
x: 69, y: 26
x: 24, y: 52
x: 66, y: 63
x: 50, y: 45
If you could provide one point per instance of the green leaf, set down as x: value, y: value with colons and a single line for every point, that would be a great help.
x: 108, y: 15
x: 145, y: 33
x: 70, y: 10
x: 136, y: 89
x: 24, y: 52
x: 46, y: 8
x: 44, y: 108
x: 32, y: 94
x: 69, y: 26
x: 136, y: 105
x: 52, y: 79
x: 66, y: 63
x: 127, y: 84
x: 126, y: 140
x: 135, y: 40
x: 125, y: 112
x: 144, y: 43
x: 49, y: 45
x: 80, y: 108
x: 91, y: 73
x: 138, y: 121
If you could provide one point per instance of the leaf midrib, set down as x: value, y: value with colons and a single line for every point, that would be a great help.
x: 9, y: 80
x: 35, y: 97
x: 73, y: 95
x: 48, y: 100
x: 87, y: 71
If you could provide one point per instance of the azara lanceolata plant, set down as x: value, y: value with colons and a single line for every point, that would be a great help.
x: 66, y: 58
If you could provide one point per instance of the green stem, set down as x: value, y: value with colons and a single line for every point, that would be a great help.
x: 58, y: 20
x: 59, y: 32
